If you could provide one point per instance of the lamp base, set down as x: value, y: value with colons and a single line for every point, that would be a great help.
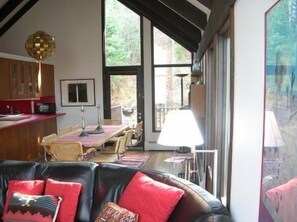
x: 83, y: 133
x: 184, y: 149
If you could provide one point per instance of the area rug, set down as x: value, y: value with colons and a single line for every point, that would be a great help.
x: 134, y: 160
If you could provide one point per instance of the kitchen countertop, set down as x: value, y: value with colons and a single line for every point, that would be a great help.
x: 33, y: 118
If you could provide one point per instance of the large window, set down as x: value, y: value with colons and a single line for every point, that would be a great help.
x: 122, y: 35
x: 122, y: 71
x: 170, y: 87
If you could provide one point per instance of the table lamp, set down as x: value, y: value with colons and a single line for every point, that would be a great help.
x: 180, y: 129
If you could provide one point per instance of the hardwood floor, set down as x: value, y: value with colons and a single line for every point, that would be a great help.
x: 157, y: 161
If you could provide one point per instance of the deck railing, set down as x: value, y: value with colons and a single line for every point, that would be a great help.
x: 160, y: 113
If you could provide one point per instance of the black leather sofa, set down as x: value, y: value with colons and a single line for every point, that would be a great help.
x: 106, y: 182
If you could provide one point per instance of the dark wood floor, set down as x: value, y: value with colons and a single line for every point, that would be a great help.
x: 157, y: 161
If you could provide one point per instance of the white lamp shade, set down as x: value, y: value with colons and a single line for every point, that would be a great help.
x: 180, y: 129
x: 272, y: 137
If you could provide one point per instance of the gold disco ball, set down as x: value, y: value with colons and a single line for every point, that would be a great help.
x: 40, y: 45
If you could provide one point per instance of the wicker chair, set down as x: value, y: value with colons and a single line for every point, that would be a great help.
x: 65, y: 130
x: 110, y: 122
x: 47, y: 140
x: 120, y: 150
x: 69, y: 151
x: 137, y: 134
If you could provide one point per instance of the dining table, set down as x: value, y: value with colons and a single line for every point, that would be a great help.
x: 92, y: 139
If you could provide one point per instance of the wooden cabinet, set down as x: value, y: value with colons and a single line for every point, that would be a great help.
x: 4, y: 83
x: 20, y: 79
x: 32, y: 79
x: 47, y: 80
x: 198, y: 104
x: 24, y: 140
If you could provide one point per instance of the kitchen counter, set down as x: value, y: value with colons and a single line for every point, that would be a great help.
x: 20, y: 139
x: 32, y: 119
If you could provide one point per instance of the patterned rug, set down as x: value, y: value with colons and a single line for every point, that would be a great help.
x: 134, y: 160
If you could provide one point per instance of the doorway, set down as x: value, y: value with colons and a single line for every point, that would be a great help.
x: 123, y: 95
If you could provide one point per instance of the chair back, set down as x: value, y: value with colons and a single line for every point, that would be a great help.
x: 65, y: 130
x: 121, y: 146
x: 110, y: 122
x: 137, y: 134
x: 66, y: 151
x: 138, y: 129
x: 46, y: 140
x: 129, y: 134
x: 75, y: 127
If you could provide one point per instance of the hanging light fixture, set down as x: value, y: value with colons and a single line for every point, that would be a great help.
x: 39, y: 46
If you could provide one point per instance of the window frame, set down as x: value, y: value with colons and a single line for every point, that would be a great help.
x: 161, y: 66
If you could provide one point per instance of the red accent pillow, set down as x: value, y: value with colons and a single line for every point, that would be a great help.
x: 150, y: 199
x: 69, y: 192
x: 33, y: 187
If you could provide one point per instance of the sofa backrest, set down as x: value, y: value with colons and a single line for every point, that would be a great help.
x: 195, y: 204
x: 106, y: 183
x: 83, y: 173
x: 78, y: 172
x: 14, y: 170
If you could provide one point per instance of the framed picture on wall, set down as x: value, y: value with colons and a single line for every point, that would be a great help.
x: 77, y: 92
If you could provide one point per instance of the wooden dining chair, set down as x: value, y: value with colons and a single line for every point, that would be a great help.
x: 65, y: 130
x: 120, y: 150
x: 137, y: 134
x: 112, y: 147
x: 110, y: 122
x: 46, y: 148
x: 75, y: 127
x: 69, y: 151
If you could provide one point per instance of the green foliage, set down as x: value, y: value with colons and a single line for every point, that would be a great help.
x: 122, y: 35
x: 280, y: 34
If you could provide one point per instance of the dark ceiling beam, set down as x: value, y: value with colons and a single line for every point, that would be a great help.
x: 17, y: 16
x: 6, y: 9
x: 187, y: 11
x: 167, y: 21
x: 218, y: 16
x: 206, y: 3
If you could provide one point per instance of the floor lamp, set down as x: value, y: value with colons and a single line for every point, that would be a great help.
x: 182, y: 149
x: 181, y: 75
x: 180, y: 129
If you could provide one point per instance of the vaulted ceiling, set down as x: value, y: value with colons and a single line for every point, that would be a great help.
x: 185, y: 21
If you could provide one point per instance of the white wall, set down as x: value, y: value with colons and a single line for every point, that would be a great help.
x: 249, y: 108
x: 76, y: 27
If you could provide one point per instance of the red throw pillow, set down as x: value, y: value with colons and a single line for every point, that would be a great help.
x: 33, y: 187
x: 151, y: 200
x: 69, y: 192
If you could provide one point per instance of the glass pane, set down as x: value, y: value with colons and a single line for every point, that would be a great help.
x: 168, y: 91
x: 124, y: 98
x: 122, y: 35
x: 168, y: 51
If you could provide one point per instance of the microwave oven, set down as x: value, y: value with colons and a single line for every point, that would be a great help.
x: 46, y: 108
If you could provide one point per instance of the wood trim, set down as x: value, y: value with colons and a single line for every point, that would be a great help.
x: 167, y: 21
x: 17, y: 16
x: 217, y: 18
x: 188, y: 12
